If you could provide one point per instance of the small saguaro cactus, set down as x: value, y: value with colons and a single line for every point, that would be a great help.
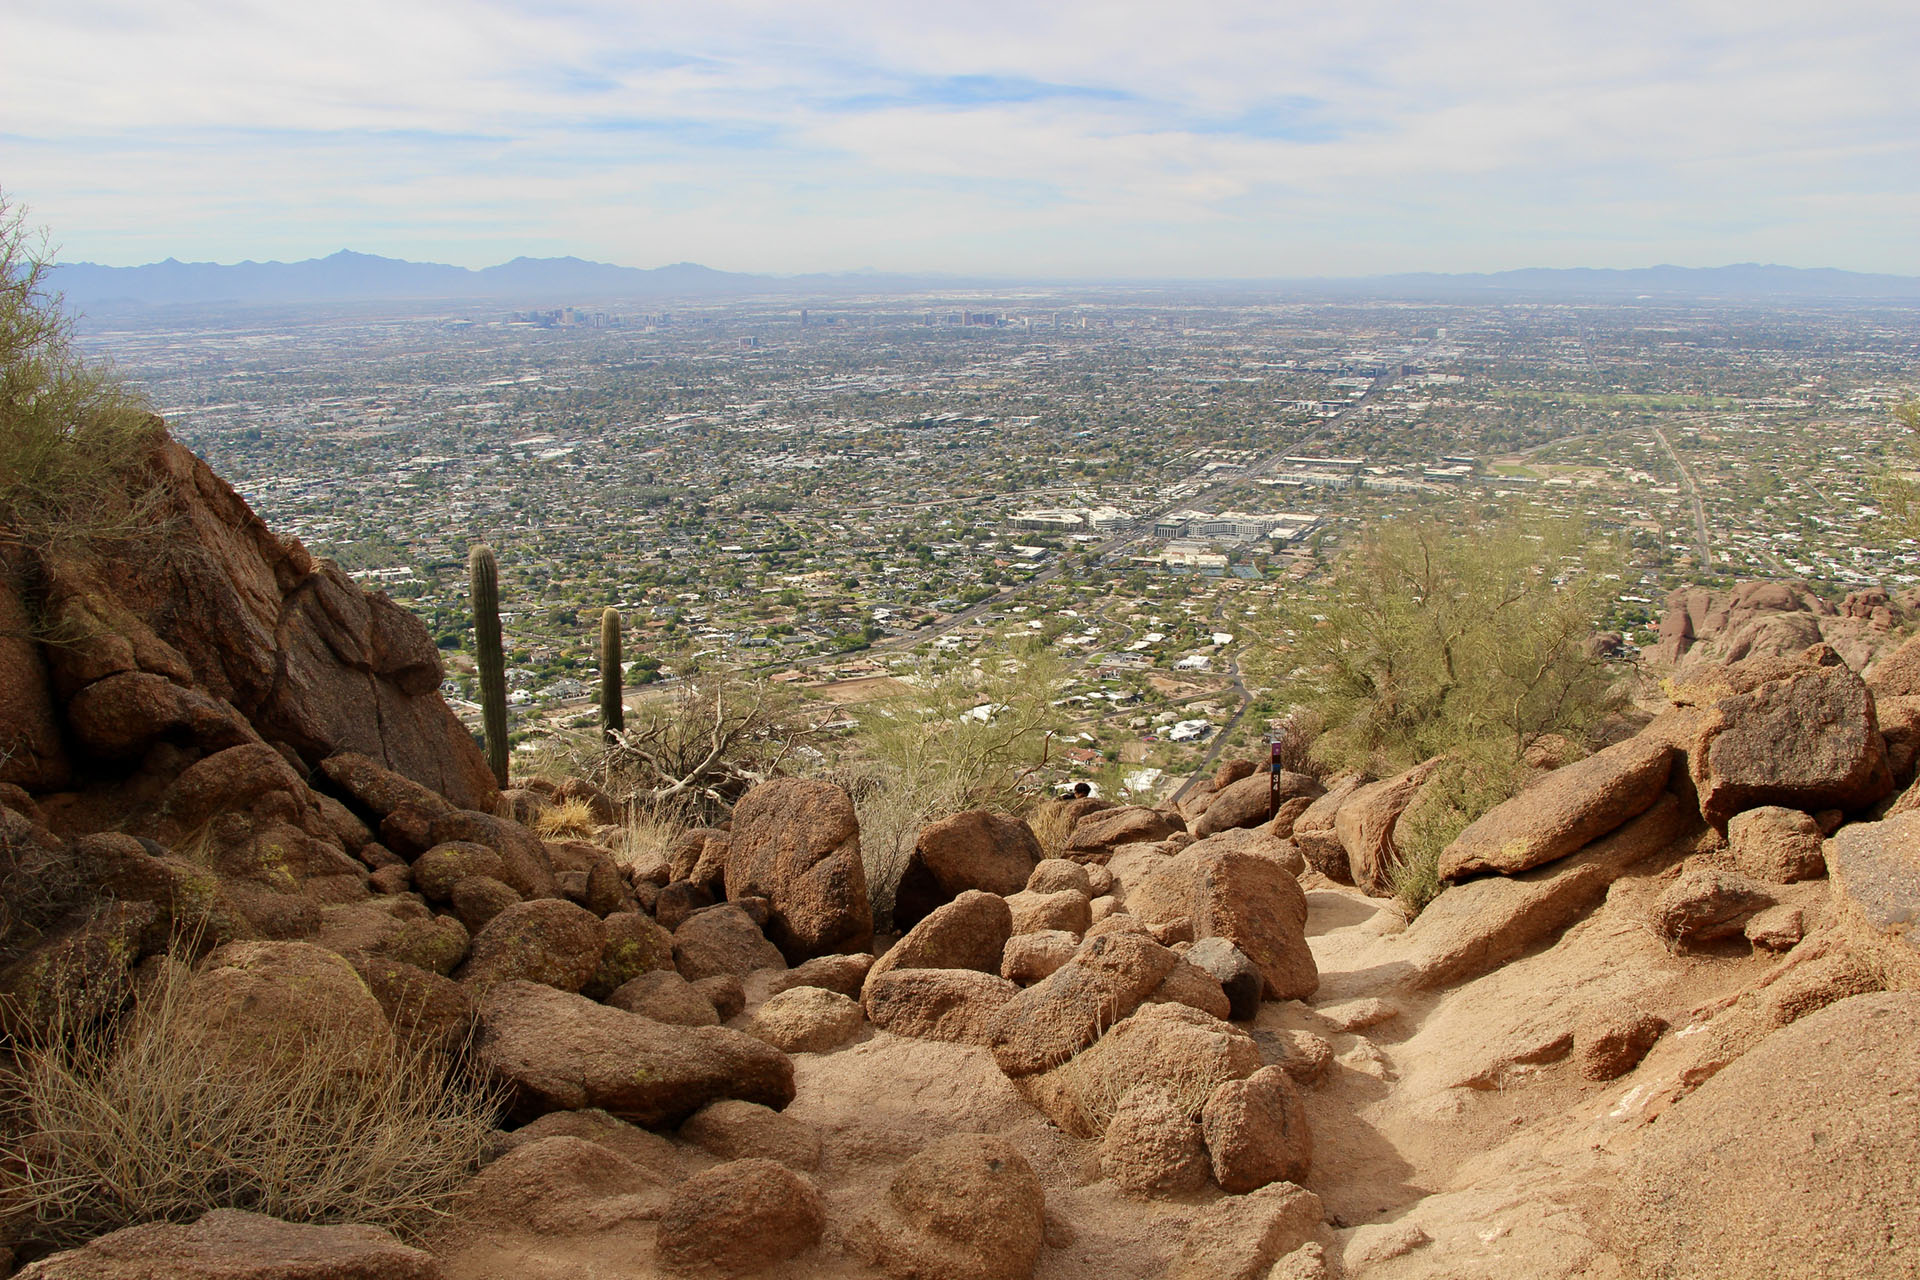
x: 613, y: 711
x: 484, y: 572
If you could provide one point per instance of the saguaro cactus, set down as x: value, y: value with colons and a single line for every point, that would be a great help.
x: 484, y: 572
x: 613, y: 711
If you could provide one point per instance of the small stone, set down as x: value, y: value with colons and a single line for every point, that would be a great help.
x: 1609, y: 1045
x: 1777, y: 928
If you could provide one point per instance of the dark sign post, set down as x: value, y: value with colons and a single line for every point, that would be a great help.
x: 1273, y: 783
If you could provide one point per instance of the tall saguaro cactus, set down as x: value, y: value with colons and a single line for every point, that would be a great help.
x: 613, y: 711
x: 484, y: 572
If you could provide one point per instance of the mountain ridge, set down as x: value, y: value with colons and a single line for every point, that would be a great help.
x: 347, y: 275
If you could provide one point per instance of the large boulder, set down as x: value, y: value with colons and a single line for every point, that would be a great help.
x: 524, y: 862
x: 550, y: 941
x: 262, y: 1003
x: 1797, y: 732
x: 1046, y: 1024
x: 734, y: 1130
x: 1096, y: 835
x: 796, y: 842
x: 1706, y: 904
x: 1477, y: 926
x: 1365, y: 826
x: 969, y: 932
x: 1188, y: 1052
x: 1875, y: 868
x: 722, y: 939
x: 976, y: 850
x: 740, y: 1218
x: 957, y: 1005
x: 554, y: 1051
x: 1152, y: 1147
x: 807, y: 1020
x: 1775, y: 844
x: 561, y: 1184
x: 1566, y: 810
x: 230, y: 1244
x: 969, y: 1207
x: 1256, y: 905
x: 1256, y: 1131
x: 1799, y: 1161
x: 1253, y: 800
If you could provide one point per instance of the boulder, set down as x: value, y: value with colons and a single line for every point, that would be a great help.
x: 423, y: 1007
x: 632, y: 946
x: 1875, y: 867
x: 1152, y: 1147
x: 1314, y: 832
x: 550, y: 941
x: 1046, y: 1024
x: 957, y: 1005
x: 1706, y: 904
x: 1566, y: 810
x: 553, y: 1052
x: 1304, y: 1056
x: 263, y: 1002
x: 478, y: 900
x: 1029, y: 957
x: 1067, y: 910
x: 1188, y: 1052
x: 229, y: 1244
x: 1252, y: 801
x: 722, y: 939
x: 1776, y: 845
x: 1776, y: 928
x: 1365, y: 826
x: 807, y: 1020
x: 1096, y: 835
x: 969, y: 1207
x: 678, y: 900
x: 725, y: 992
x: 845, y: 974
x: 1798, y: 1160
x: 1242, y: 1237
x: 524, y: 862
x: 664, y: 996
x: 561, y: 1185
x: 1897, y: 675
x: 740, y: 1218
x: 733, y: 1130
x: 975, y: 850
x: 377, y: 789
x: 1609, y: 1043
x: 1256, y: 1132
x: 1240, y: 979
x: 796, y: 842
x: 1193, y: 987
x: 80, y: 972
x: 1230, y: 772
x: 1800, y: 733
x: 1053, y: 875
x: 1475, y: 927
x: 969, y: 932
x: 436, y: 871
x: 1253, y: 903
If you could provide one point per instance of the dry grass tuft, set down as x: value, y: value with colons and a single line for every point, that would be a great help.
x: 652, y: 827
x: 1051, y: 827
x: 129, y: 1122
x: 568, y: 819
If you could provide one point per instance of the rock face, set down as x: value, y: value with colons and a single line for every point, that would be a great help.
x: 228, y: 1244
x: 1798, y: 1160
x: 740, y: 1218
x: 561, y: 1052
x: 1799, y: 732
x: 238, y: 635
x: 1876, y: 886
x: 1253, y: 903
x: 1567, y: 809
x: 796, y: 842
x: 1365, y: 825
x: 975, y: 850
x: 967, y: 1208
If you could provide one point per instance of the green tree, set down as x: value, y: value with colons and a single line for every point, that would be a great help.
x: 1899, y: 491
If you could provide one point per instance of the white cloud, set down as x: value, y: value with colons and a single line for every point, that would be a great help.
x: 1226, y: 138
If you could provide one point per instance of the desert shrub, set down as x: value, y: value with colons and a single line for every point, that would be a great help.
x: 1465, y: 785
x: 651, y: 829
x: 1051, y: 827
x: 569, y: 819
x: 128, y: 1121
x: 72, y: 434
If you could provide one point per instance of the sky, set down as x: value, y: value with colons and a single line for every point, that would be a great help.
x: 1058, y: 140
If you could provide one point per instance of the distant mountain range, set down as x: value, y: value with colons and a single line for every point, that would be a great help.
x: 348, y: 277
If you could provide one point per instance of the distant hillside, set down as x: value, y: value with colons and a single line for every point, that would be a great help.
x: 348, y: 276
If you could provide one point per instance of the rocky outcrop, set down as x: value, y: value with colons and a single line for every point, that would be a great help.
x: 796, y: 843
x: 1798, y: 1160
x: 1773, y: 619
x: 1564, y: 811
x: 1365, y: 822
x: 975, y: 850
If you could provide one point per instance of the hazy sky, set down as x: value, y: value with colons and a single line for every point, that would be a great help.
x: 1041, y: 137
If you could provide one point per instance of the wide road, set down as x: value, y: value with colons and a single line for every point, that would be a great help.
x: 1693, y: 494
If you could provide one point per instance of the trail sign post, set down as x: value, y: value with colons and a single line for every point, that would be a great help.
x: 1273, y: 782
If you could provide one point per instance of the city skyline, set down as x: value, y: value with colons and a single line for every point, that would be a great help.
x: 1080, y: 142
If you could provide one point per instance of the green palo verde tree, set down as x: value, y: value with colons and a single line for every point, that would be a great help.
x: 1468, y: 643
x: 1898, y: 491
x: 483, y: 572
